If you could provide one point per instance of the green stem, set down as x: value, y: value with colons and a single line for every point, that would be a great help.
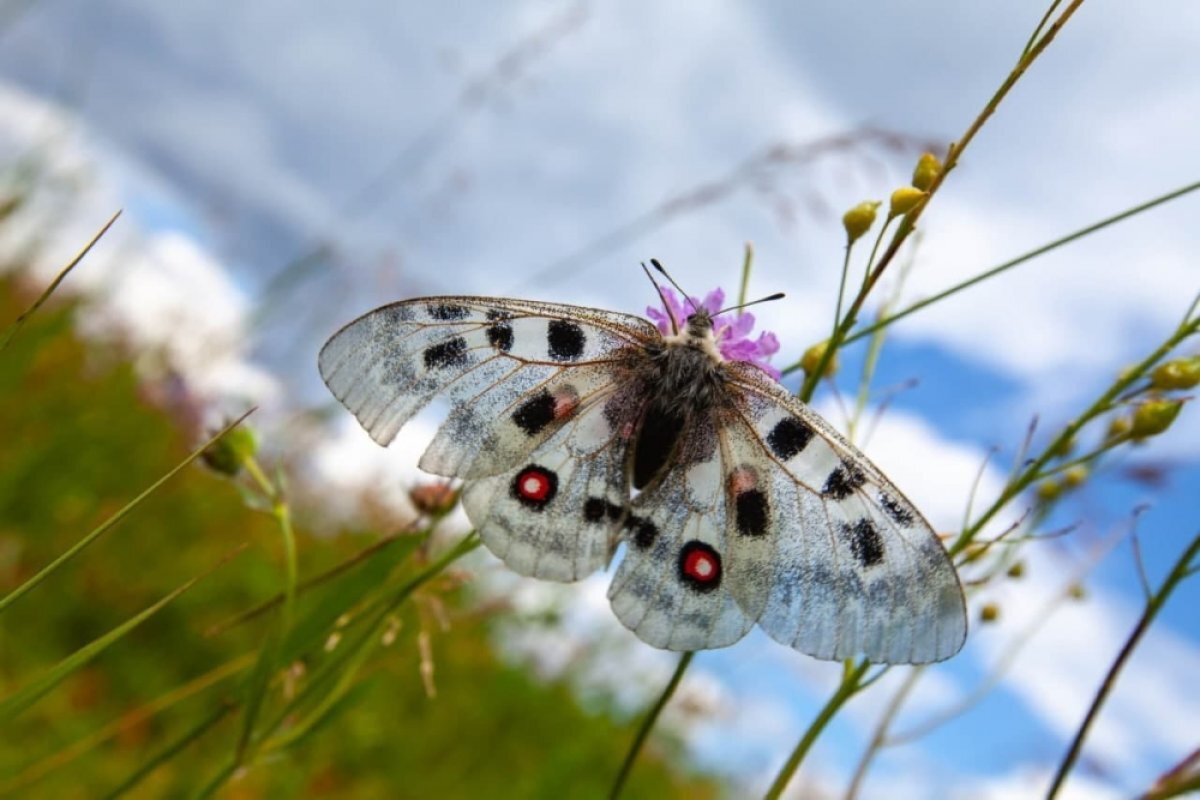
x: 1177, y: 574
x: 647, y: 724
x: 747, y: 262
x: 847, y: 689
x: 1068, y: 433
x: 881, y: 730
x: 909, y: 221
x: 1021, y: 259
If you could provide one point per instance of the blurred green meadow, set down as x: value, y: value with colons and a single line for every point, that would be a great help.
x: 162, y: 710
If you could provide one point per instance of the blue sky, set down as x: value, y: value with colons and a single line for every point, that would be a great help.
x: 441, y: 148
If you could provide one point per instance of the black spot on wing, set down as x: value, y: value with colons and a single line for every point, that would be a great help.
x: 535, y: 414
x: 450, y: 353
x: 500, y: 336
x: 642, y: 532
x: 843, y: 481
x: 899, y: 513
x: 565, y: 339
x: 752, y: 513
x: 789, y: 436
x: 447, y: 311
x: 500, y: 332
x: 865, y: 542
x: 597, y: 509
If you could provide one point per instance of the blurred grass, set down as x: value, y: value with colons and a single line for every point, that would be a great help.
x: 81, y: 439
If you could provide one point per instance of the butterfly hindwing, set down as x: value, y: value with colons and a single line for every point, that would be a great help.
x: 853, y: 568
x: 671, y: 588
x: 555, y: 516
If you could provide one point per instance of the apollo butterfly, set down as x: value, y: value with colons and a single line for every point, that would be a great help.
x: 577, y: 431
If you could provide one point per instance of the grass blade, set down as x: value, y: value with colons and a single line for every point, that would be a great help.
x: 171, y: 750
x: 23, y: 698
x: 12, y: 329
x: 79, y: 546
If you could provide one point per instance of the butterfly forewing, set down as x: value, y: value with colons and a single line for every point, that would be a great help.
x: 388, y: 364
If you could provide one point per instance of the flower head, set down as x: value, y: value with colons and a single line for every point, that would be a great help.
x: 732, y: 331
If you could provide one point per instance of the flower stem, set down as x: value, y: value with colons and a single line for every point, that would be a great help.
x: 851, y: 683
x: 1178, y: 573
x: 909, y: 221
x: 647, y: 724
x: 884, y: 321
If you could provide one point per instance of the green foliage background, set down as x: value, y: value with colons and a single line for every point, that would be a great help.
x: 80, y: 440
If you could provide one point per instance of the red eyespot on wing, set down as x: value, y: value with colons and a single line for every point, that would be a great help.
x: 700, y: 566
x: 535, y: 486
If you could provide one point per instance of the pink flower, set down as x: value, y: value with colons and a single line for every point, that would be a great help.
x: 732, y: 331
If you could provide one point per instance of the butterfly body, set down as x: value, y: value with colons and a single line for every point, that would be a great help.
x: 578, y: 430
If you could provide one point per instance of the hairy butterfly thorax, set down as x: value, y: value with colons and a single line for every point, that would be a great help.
x: 683, y: 378
x: 577, y: 430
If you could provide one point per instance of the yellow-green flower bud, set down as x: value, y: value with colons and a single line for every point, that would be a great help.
x: 812, y: 357
x: 1182, y: 373
x: 229, y: 453
x: 1075, y: 476
x: 989, y: 613
x: 1064, y: 449
x: 859, y: 220
x: 1049, y: 490
x: 1017, y: 569
x: 1153, y: 417
x: 1118, y: 428
x: 905, y: 200
x: 928, y: 168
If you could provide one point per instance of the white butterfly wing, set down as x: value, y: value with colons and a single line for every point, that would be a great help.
x: 482, y: 354
x: 556, y: 515
x: 670, y: 588
x: 845, y: 565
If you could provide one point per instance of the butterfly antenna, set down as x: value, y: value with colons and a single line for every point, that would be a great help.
x: 663, y: 299
x: 776, y: 296
x: 667, y: 275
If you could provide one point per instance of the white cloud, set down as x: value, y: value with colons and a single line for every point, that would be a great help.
x: 158, y: 292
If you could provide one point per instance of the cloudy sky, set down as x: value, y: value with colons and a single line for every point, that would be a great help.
x: 288, y: 165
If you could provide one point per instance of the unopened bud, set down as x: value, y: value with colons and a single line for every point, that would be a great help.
x: 904, y: 200
x: 1016, y: 570
x: 859, y: 220
x: 1182, y: 373
x: 1049, y: 490
x: 1064, y: 448
x: 812, y: 357
x: 990, y: 612
x: 1153, y: 417
x: 1118, y: 428
x: 228, y: 454
x: 433, y: 499
x: 927, y: 170
x: 1075, y: 476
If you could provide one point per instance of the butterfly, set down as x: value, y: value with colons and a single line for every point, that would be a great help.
x: 576, y: 430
